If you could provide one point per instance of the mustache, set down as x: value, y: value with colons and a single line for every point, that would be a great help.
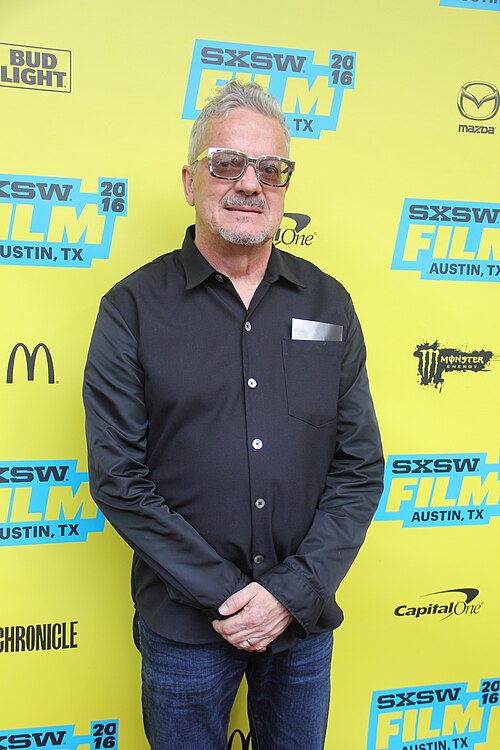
x: 240, y: 201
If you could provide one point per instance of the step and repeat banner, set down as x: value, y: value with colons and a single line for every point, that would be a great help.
x: 393, y: 109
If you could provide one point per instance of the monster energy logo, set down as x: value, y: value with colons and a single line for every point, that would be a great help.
x: 434, y: 361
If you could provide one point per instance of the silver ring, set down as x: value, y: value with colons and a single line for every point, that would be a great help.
x: 249, y: 643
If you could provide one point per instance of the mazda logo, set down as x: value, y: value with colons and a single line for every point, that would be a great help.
x: 478, y: 100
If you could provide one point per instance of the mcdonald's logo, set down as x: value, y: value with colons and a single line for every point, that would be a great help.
x: 244, y: 743
x: 30, y: 358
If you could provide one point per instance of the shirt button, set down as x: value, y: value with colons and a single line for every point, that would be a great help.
x: 260, y: 502
x: 252, y: 383
x: 248, y: 326
x: 258, y: 559
x: 219, y: 278
x: 257, y: 444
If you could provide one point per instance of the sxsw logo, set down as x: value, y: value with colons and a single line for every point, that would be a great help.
x: 103, y: 734
x: 440, y: 489
x: 310, y: 94
x: 433, y: 717
x: 45, y: 502
x: 30, y: 358
x: 449, y: 240
x: 473, y: 4
x: 51, y: 221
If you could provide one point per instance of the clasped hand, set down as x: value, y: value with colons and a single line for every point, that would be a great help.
x: 254, y: 618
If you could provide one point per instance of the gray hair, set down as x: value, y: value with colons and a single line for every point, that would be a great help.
x: 233, y: 96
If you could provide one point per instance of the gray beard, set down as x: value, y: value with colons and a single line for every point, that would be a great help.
x: 242, y: 237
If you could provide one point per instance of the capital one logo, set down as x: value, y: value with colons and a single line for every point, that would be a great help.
x: 478, y: 100
x: 30, y: 358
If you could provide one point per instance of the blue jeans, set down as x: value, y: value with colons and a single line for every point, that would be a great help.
x: 188, y: 692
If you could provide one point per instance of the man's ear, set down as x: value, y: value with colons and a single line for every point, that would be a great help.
x: 187, y: 181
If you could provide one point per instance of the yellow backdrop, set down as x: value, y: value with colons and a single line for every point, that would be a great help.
x: 393, y: 109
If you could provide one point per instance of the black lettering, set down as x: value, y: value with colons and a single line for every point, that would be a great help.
x: 401, y: 466
x: 212, y: 56
x: 62, y: 191
x: 406, y: 699
x: 57, y: 473
x: 21, y: 474
x: 16, y: 57
x: 418, y: 212
x: 490, y: 215
x: 461, y: 213
x: 41, y: 740
x: 422, y: 466
x: 295, y: 63
x: 440, y: 213
x: 262, y: 60
x: 236, y: 59
x: 442, y: 465
x: 19, y: 741
x: 448, y: 694
x: 386, y: 701
x: 466, y: 464
x: 23, y: 190
x: 425, y: 696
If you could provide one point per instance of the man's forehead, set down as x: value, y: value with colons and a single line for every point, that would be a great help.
x: 242, y: 127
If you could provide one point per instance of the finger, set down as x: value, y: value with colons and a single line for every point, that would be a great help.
x: 235, y: 602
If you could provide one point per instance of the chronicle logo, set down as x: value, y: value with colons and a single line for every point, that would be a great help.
x: 445, y: 609
x: 310, y: 95
x: 434, y: 361
x: 440, y: 489
x: 31, y: 357
x: 47, y: 221
x: 290, y: 232
x: 47, y: 636
x: 35, y: 68
x: 449, y: 240
x: 45, y: 502
x: 432, y: 717
x: 103, y: 734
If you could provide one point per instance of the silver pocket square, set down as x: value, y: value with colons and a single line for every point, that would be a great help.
x: 313, y: 330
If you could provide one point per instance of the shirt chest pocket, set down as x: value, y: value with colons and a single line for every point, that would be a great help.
x: 312, y: 376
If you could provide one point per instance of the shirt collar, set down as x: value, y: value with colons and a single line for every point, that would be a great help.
x: 198, y: 269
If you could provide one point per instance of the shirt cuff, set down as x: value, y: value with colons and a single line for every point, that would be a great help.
x: 296, y: 593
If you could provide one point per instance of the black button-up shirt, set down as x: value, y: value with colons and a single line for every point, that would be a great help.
x: 223, y: 450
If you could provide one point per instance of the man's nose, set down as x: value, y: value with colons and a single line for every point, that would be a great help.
x: 248, y: 182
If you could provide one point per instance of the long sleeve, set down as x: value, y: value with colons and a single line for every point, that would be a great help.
x: 306, y: 581
x: 117, y: 434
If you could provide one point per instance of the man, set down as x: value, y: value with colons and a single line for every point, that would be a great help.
x: 234, y: 446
